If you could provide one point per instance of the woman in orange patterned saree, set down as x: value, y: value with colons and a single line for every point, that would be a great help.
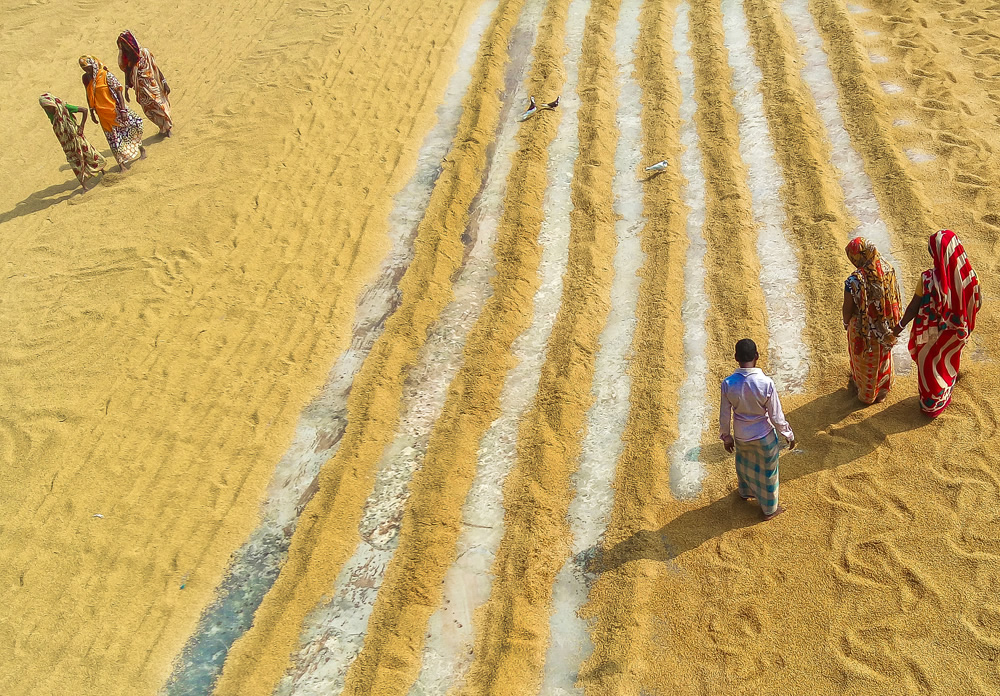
x: 122, y: 127
x: 871, y: 311
x: 143, y: 75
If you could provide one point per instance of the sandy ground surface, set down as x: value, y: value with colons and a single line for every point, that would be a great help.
x: 359, y: 384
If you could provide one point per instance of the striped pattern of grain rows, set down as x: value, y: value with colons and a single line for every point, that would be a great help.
x: 566, y: 387
x: 122, y: 643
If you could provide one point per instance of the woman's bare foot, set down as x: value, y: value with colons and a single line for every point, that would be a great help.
x: 851, y: 385
x: 142, y: 153
x: 774, y: 514
x: 881, y: 397
x: 122, y: 167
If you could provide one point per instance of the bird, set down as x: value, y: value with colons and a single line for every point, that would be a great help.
x: 534, y: 108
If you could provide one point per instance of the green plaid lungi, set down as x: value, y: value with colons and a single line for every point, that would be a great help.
x: 757, y: 470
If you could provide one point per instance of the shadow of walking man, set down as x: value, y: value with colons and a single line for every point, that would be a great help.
x: 823, y: 444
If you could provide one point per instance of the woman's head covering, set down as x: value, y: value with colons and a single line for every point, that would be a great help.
x: 954, y: 287
x: 861, y: 252
x: 63, y: 122
x: 49, y: 101
x: 129, y: 55
x: 875, y: 292
x: 89, y: 63
x: 127, y: 42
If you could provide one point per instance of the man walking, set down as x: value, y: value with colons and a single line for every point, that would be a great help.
x: 751, y: 401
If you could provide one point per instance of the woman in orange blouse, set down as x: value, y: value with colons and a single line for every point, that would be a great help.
x: 122, y: 127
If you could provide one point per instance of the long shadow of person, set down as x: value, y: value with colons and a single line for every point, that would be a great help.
x: 823, y: 444
x: 154, y: 138
x: 40, y: 200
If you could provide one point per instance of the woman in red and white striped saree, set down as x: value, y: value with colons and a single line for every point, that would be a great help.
x: 945, y: 310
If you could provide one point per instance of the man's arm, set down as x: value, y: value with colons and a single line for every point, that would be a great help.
x: 725, y: 416
x: 777, y: 416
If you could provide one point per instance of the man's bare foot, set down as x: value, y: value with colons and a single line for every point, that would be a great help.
x: 745, y: 497
x: 774, y: 514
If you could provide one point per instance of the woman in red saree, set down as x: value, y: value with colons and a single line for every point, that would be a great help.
x: 945, y: 310
x: 871, y: 310
x: 144, y: 76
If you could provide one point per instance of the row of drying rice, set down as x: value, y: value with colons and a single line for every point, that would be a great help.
x: 477, y: 544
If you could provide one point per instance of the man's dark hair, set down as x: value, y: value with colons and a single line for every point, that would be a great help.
x: 746, y: 351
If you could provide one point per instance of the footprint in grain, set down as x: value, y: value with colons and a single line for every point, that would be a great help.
x: 952, y: 139
x: 991, y: 219
x: 863, y: 492
x: 971, y: 180
x: 863, y: 652
x: 983, y: 622
x: 735, y: 628
x: 877, y: 563
x: 917, y: 678
x: 873, y: 654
